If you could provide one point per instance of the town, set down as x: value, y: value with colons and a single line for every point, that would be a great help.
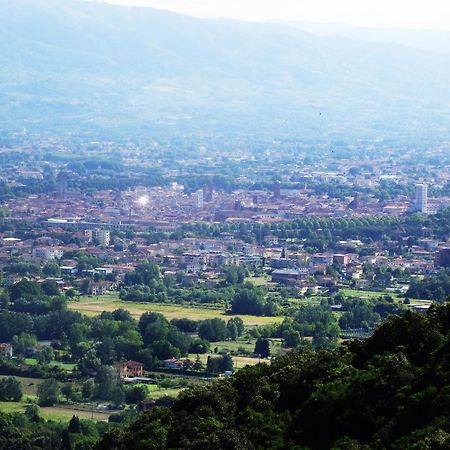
x: 128, y: 294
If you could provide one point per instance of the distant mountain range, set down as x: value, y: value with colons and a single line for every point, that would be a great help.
x: 86, y: 68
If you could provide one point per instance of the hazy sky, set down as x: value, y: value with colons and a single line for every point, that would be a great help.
x: 434, y: 14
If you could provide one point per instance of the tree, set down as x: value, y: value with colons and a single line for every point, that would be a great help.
x: 219, y: 364
x: 239, y: 323
x: 48, y: 392
x: 46, y: 355
x: 198, y: 365
x: 10, y: 389
x: 213, y: 330
x: 33, y: 412
x: 117, y: 397
x: 232, y: 330
x: 50, y: 288
x: 51, y: 269
x: 25, y: 289
x: 88, y: 389
x: 250, y: 300
x: 67, y: 390
x: 106, y: 381
x: 74, y: 425
x: 262, y: 347
x: 136, y: 394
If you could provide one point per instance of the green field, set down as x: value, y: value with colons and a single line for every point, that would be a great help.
x: 69, y: 367
x: 258, y: 281
x: 92, y: 306
x: 376, y: 294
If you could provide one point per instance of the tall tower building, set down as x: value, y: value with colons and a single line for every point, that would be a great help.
x: 421, y: 203
x: 61, y: 185
x: 277, y: 190
x: 208, y: 191
x: 199, y: 199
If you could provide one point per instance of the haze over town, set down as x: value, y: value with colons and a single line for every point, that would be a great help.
x: 224, y: 225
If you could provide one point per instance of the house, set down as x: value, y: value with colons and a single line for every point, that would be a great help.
x: 69, y: 270
x: 6, y: 350
x: 173, y: 363
x: 101, y: 288
x: 288, y: 276
x: 12, y: 279
x: 130, y: 369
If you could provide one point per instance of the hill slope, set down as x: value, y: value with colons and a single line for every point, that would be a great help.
x: 84, y: 67
x: 391, y: 391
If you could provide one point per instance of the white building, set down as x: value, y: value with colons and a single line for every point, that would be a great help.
x: 421, y: 203
x: 6, y: 350
x: 103, y: 237
x: 47, y: 253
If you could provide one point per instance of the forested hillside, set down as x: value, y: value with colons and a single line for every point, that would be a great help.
x: 391, y: 391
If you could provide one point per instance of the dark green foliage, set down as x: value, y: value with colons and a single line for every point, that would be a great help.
x: 48, y: 392
x: 74, y: 425
x: 219, y: 364
x: 391, y: 391
x: 213, y: 330
x: 251, y: 300
x: 433, y: 287
x: 10, y: 389
x: 262, y: 347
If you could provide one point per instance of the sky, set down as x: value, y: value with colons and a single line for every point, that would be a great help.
x: 414, y: 14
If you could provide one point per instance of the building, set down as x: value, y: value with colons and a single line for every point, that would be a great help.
x: 443, y: 257
x: 6, y: 350
x: 288, y: 277
x: 130, y: 369
x: 173, y: 363
x: 199, y: 199
x: 103, y: 237
x: 47, y: 253
x: 208, y: 191
x: 62, y: 185
x: 12, y: 279
x: 421, y: 202
x: 277, y: 190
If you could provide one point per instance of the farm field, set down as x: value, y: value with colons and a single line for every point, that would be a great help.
x: 92, y: 306
x: 59, y: 412
x: 29, y: 385
x: 375, y: 294
x: 238, y: 361
x: 367, y: 294
x: 69, y: 367
x: 247, y: 345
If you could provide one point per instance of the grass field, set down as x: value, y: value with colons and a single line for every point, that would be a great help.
x: 238, y: 361
x: 376, y: 294
x: 65, y: 413
x: 69, y: 367
x: 92, y: 306
x: 59, y: 412
x: 258, y: 281
x: 366, y: 294
x: 29, y: 385
x: 247, y: 345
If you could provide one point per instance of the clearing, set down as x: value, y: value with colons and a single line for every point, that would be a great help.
x: 92, y: 306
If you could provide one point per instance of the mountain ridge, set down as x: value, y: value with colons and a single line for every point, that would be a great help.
x: 86, y: 67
